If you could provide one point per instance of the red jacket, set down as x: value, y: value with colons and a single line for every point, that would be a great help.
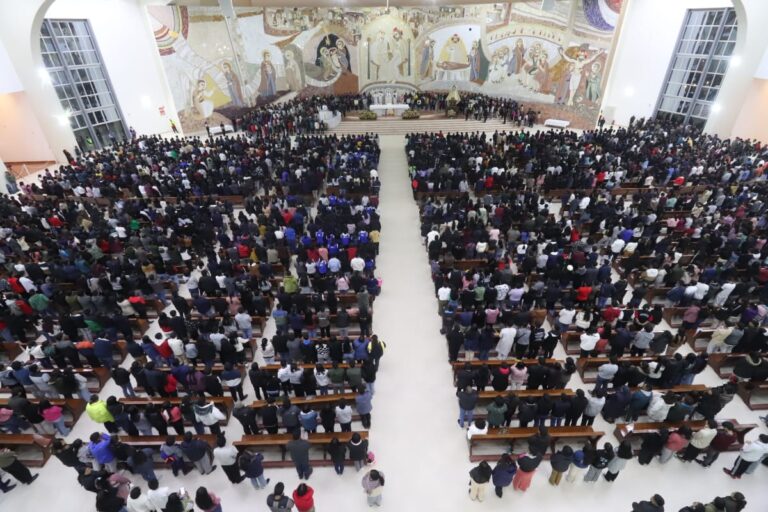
x: 304, y: 503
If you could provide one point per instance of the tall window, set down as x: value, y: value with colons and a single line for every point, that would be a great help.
x: 706, y: 43
x: 73, y: 61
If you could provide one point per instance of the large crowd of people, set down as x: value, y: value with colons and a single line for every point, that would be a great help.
x: 209, y: 239
x: 652, y: 212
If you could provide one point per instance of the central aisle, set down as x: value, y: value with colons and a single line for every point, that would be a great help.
x: 418, y: 444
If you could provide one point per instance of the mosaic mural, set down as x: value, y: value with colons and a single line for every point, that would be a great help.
x: 549, y: 54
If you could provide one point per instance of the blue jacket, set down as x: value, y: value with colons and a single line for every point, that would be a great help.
x: 363, y: 402
x: 103, y: 348
x: 502, y: 475
x: 101, y: 450
x: 254, y: 467
x: 360, y: 347
x: 308, y: 420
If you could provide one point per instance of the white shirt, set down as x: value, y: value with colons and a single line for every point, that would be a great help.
x: 140, y: 504
x: 566, y: 316
x: 357, y: 264
x: 617, y: 246
x: 225, y: 455
x: 444, y: 293
x: 589, y: 341
x: 177, y: 346
x: 159, y: 497
x: 701, y: 291
x: 474, y: 431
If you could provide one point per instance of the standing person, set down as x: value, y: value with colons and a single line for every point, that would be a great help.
x: 52, y: 414
x: 751, y: 453
x: 344, y: 416
x: 503, y: 473
x: 226, y: 457
x: 303, y: 497
x: 98, y: 412
x: 253, y: 467
x: 581, y: 460
x: 338, y: 453
x: 526, y: 467
x: 11, y: 465
x: 656, y: 504
x: 467, y: 401
x: 561, y: 461
x: 141, y: 462
x: 138, y: 502
x: 700, y: 441
x: 100, y: 448
x: 233, y: 378
x: 725, y: 437
x: 209, y: 415
x: 298, y: 448
x: 479, y: 478
x: 197, y: 451
x: 364, y: 405
x: 278, y: 501
x: 676, y: 442
x: 617, y: 464
x: 595, y: 404
x: 358, y: 450
x: 373, y: 485
x: 207, y: 501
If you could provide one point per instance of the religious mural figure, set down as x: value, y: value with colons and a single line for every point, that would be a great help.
x: 516, y: 58
x: 453, y: 59
x: 379, y: 63
x: 579, y: 63
x: 292, y: 71
x: 478, y: 64
x: 267, y: 86
x: 593, y: 83
x: 202, y: 106
x: 233, y: 85
x: 426, y: 62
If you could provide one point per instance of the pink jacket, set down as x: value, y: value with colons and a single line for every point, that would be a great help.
x: 53, y: 413
x: 519, y: 376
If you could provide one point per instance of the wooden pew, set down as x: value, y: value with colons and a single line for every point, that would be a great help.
x: 266, y: 441
x: 215, y: 369
x: 155, y: 442
x: 674, y: 317
x: 508, y: 436
x: 315, y: 402
x: 751, y: 392
x: 492, y: 363
x: 37, y: 443
x: 74, y: 406
x: 698, y: 339
x: 638, y: 429
x: 224, y: 403
x: 584, y: 364
x: 10, y: 351
x: 722, y: 363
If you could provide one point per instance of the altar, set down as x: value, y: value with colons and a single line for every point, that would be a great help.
x: 331, y: 119
x: 389, y: 109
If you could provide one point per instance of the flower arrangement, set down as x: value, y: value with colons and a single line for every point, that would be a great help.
x: 368, y: 115
x: 411, y: 114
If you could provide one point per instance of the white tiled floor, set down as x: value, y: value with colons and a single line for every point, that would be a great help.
x: 417, y: 442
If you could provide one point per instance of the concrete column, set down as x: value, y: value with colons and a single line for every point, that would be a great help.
x: 20, y: 33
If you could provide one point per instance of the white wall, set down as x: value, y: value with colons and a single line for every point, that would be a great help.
x: 126, y: 42
x: 645, y: 46
x: 22, y: 139
x: 9, y: 80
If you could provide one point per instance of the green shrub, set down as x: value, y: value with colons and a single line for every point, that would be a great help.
x: 368, y: 115
x: 411, y: 114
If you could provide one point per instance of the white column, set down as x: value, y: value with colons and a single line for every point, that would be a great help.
x: 20, y: 24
